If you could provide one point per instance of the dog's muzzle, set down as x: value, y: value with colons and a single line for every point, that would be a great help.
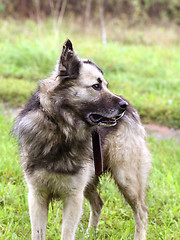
x: 109, y: 120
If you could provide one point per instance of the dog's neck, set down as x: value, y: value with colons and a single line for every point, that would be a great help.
x: 96, y: 140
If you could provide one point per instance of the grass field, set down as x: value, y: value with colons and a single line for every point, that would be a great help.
x: 147, y: 75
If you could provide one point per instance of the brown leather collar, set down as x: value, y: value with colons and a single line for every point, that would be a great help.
x: 97, y: 152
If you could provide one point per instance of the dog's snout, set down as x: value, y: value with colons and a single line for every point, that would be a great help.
x: 123, y: 105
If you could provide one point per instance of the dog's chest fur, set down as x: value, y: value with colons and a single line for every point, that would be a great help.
x: 47, y: 146
x: 56, y: 162
x: 59, y: 186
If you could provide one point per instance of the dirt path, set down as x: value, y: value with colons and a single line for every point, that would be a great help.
x: 159, y: 132
x: 162, y: 132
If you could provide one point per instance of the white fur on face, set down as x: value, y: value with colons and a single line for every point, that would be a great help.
x: 91, y: 73
x: 89, y: 76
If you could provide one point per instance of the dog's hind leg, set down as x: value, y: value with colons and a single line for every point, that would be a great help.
x: 38, y: 209
x: 131, y: 183
x: 96, y: 205
x: 72, y: 211
x: 128, y: 159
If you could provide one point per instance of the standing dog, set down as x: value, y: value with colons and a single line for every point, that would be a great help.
x: 55, y: 134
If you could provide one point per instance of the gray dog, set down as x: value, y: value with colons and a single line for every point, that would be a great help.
x: 70, y: 121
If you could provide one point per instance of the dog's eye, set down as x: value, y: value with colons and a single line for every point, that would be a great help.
x: 97, y: 86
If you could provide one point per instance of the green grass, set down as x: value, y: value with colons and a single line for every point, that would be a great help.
x: 147, y: 75
x: 116, y: 222
x: 15, y: 91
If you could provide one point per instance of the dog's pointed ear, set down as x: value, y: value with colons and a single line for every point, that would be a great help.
x: 69, y: 63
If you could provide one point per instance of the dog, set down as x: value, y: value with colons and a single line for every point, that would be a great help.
x: 68, y: 122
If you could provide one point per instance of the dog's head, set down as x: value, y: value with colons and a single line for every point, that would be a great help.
x: 80, y: 88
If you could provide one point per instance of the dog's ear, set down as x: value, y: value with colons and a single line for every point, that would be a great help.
x: 69, y: 63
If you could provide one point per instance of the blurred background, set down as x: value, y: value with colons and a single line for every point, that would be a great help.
x: 114, y: 17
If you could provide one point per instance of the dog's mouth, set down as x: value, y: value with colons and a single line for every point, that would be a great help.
x: 104, y: 121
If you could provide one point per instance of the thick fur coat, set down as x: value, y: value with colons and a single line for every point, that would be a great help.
x: 54, y: 131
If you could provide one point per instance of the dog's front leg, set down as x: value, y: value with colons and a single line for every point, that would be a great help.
x: 72, y: 211
x: 96, y: 205
x: 38, y: 209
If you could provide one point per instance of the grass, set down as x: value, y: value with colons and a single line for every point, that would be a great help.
x: 15, y: 91
x: 117, y: 220
x: 147, y: 75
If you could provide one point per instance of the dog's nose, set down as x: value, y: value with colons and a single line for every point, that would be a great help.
x: 123, y: 105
